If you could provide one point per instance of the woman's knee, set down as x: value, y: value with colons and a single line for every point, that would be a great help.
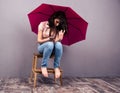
x: 50, y: 45
x: 58, y: 45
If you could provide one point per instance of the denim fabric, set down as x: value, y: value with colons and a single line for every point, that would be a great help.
x: 47, y: 49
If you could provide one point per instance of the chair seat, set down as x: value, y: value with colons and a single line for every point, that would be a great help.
x: 41, y: 55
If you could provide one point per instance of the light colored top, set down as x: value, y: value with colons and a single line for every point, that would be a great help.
x: 44, y: 27
x: 45, y: 35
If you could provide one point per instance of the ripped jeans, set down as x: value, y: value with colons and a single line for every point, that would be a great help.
x: 47, y: 49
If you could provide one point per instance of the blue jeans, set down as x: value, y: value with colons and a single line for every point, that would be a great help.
x: 47, y: 49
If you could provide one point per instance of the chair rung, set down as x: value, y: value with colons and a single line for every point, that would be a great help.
x: 50, y: 70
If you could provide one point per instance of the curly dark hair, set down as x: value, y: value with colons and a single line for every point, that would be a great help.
x: 63, y: 21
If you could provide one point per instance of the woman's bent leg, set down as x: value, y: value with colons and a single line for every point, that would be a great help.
x: 58, y: 54
x: 45, y: 48
x: 58, y: 49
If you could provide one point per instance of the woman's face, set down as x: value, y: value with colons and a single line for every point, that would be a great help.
x: 56, y: 21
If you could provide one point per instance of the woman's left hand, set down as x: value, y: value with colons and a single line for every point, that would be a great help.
x: 60, y: 35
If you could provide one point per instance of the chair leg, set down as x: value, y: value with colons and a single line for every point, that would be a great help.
x: 35, y: 79
x: 61, y: 83
x: 54, y: 78
x: 33, y: 64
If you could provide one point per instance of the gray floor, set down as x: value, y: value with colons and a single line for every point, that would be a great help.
x: 70, y: 85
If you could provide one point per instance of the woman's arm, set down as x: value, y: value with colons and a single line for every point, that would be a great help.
x: 40, y: 39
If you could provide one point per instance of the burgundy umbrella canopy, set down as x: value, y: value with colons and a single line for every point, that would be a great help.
x: 77, y: 26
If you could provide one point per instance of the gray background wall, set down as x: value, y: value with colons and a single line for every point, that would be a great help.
x: 98, y: 55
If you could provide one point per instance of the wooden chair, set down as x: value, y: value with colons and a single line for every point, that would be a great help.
x: 36, y: 70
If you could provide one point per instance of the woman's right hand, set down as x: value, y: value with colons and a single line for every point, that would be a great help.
x: 51, y: 37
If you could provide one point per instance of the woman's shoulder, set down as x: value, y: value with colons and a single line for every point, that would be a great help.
x: 43, y: 24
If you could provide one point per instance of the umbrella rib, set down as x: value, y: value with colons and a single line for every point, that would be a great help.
x: 51, y: 7
x: 40, y: 13
x: 44, y: 14
x: 66, y: 9
x: 76, y: 28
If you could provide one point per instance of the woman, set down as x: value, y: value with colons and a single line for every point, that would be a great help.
x: 50, y: 33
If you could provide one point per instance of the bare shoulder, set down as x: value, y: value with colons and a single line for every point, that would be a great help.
x: 43, y: 22
x: 42, y: 25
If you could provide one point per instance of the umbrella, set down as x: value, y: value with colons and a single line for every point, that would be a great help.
x: 77, y: 26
